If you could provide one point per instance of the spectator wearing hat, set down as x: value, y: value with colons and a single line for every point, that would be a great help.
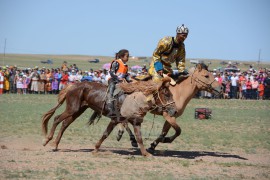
x: 34, y: 81
x: 42, y: 82
x: 72, y: 77
x: 64, y: 66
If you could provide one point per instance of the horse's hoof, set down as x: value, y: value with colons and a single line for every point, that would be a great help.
x: 134, y: 144
x: 95, y: 151
x: 148, y: 155
x: 55, y: 150
x: 151, y: 150
x: 119, y: 135
x: 45, y: 142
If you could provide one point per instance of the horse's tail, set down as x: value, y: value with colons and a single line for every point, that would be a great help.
x: 93, y: 117
x: 61, y: 99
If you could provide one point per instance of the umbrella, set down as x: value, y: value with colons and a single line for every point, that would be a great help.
x: 136, y: 67
x: 106, y: 66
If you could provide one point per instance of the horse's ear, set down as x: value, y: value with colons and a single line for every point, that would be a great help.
x: 199, y: 67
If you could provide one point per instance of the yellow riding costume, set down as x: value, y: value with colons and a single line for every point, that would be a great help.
x: 167, y: 52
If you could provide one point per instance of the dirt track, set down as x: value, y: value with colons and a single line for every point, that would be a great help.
x: 26, y: 158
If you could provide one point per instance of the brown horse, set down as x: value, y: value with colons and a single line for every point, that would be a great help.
x: 85, y: 95
x: 199, y: 79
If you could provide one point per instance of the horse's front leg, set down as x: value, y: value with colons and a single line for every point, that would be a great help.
x: 106, y: 133
x: 121, y: 130
x: 176, y: 127
x: 138, y: 134
x: 165, y: 130
x: 170, y: 122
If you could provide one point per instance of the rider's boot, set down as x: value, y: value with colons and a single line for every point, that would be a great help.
x: 110, y: 98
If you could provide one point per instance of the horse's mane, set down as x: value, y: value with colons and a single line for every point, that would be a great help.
x: 204, y: 66
x: 146, y: 87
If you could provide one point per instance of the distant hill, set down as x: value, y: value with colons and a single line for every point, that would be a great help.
x: 32, y: 60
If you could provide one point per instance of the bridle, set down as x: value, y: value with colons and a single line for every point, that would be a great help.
x: 209, y: 86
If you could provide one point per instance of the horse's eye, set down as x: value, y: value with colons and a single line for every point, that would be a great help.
x: 207, y: 76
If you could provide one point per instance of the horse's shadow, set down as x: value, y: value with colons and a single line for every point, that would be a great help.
x: 164, y: 153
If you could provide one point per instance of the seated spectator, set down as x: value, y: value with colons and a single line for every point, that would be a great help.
x: 86, y: 77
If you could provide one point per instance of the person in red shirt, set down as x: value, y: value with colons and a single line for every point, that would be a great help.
x: 261, y: 90
x: 249, y: 88
x: 63, y: 81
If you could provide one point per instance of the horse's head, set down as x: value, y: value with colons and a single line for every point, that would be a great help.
x: 205, y: 80
x: 164, y: 97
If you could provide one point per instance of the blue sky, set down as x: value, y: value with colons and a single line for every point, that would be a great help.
x: 219, y: 29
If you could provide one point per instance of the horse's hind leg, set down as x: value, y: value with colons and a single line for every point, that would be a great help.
x: 137, y: 130
x: 57, y: 120
x: 122, y: 127
x: 131, y: 136
x: 106, y: 133
x: 66, y: 123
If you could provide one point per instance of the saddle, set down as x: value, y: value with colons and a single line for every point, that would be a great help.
x: 141, y: 92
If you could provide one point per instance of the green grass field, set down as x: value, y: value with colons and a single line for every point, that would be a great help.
x: 234, y: 144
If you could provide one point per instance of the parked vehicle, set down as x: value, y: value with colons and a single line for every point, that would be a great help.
x: 94, y: 61
x: 49, y: 61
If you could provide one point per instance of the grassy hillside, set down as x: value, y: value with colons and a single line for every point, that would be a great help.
x: 32, y: 60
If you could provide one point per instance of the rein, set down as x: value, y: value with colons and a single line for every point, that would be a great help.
x: 163, y: 104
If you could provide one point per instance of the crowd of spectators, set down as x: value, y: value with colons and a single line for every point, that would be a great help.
x: 48, y: 81
x: 249, y: 84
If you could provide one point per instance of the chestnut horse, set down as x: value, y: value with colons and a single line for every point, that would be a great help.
x: 85, y: 95
x: 200, y: 79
